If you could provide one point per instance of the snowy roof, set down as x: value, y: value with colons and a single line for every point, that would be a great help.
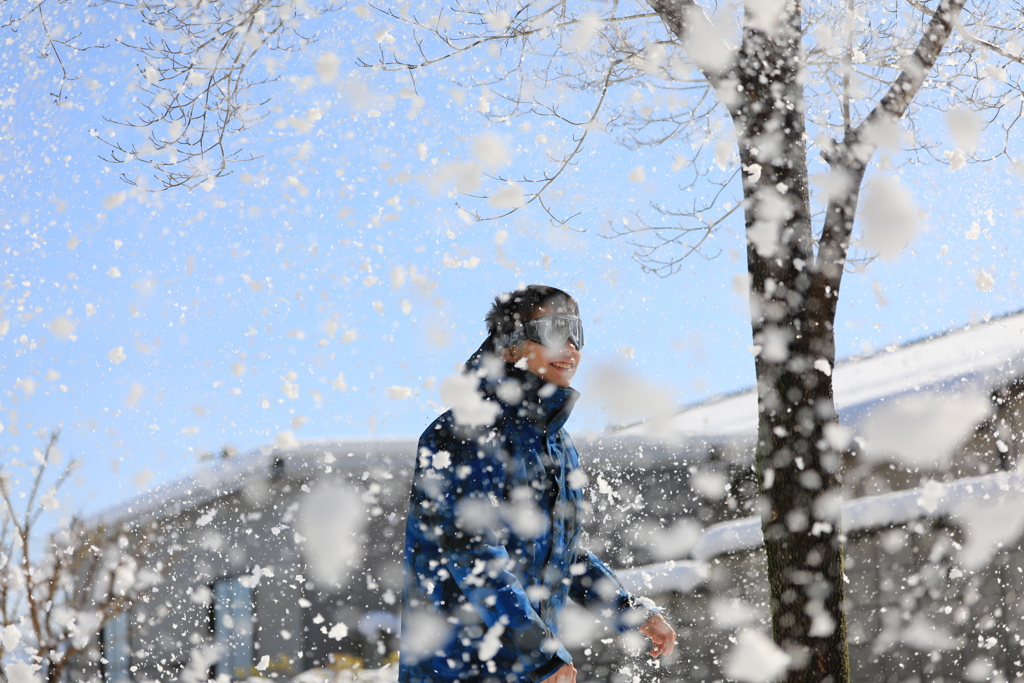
x: 305, y: 459
x: 684, y: 576
x: 957, y: 499
x: 977, y: 356
x: 964, y: 500
x: 227, y: 475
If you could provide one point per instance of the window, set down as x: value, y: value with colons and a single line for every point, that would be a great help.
x: 233, y: 627
x: 117, y: 655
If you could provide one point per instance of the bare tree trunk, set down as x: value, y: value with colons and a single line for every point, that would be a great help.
x: 797, y: 466
x: 794, y: 296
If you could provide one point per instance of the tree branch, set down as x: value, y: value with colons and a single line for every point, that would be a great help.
x: 567, y: 160
x: 967, y: 35
x: 894, y: 103
x: 848, y: 160
x: 683, y: 18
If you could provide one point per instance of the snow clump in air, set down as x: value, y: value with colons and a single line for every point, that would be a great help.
x: 117, y: 355
x: 198, y: 668
x: 773, y: 210
x: 62, y: 327
x: 510, y: 196
x: 755, y: 659
x: 628, y: 397
x: 988, y: 529
x: 728, y: 613
x: 675, y: 541
x: 11, y: 637
x: 931, y: 496
x: 586, y: 30
x: 524, y: 515
x: 984, y: 281
x: 774, y: 343
x: 890, y: 218
x: 327, y: 66
x: 765, y: 15
x: 709, y: 484
x: 491, y: 642
x: 708, y: 43
x: 922, y: 430
x: 286, y: 441
x: 964, y: 128
x: 331, y: 523
x: 399, y: 392
x: 490, y: 150
x: 578, y: 627
x: 21, y: 672
x: 468, y: 406
x: 925, y: 636
x: 422, y: 634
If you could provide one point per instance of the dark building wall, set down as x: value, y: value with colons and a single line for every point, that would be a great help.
x: 252, y: 534
x: 641, y: 510
x: 915, y: 614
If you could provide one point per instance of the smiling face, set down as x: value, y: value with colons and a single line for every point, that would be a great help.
x: 554, y: 365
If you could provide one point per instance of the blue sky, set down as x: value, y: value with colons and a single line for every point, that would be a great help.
x: 154, y: 327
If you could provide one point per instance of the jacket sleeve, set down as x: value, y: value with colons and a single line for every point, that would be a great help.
x: 469, y: 483
x: 595, y: 586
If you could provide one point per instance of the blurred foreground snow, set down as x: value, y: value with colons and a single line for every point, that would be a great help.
x: 384, y: 675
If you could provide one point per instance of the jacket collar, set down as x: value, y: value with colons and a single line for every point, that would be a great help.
x: 521, y: 393
x: 542, y: 403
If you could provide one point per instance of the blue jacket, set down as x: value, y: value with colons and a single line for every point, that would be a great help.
x: 492, y: 539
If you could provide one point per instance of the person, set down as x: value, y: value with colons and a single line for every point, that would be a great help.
x: 492, y: 546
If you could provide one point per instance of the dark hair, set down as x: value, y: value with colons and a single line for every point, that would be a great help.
x: 512, y: 309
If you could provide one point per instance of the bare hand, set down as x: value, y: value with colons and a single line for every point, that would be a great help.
x: 565, y: 674
x: 663, y: 636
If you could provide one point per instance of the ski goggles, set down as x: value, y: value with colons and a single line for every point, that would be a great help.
x: 553, y: 331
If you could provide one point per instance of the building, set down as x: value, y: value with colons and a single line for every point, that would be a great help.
x: 291, y: 558
x: 288, y: 555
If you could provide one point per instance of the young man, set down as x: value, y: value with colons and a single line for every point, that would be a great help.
x: 492, y: 540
